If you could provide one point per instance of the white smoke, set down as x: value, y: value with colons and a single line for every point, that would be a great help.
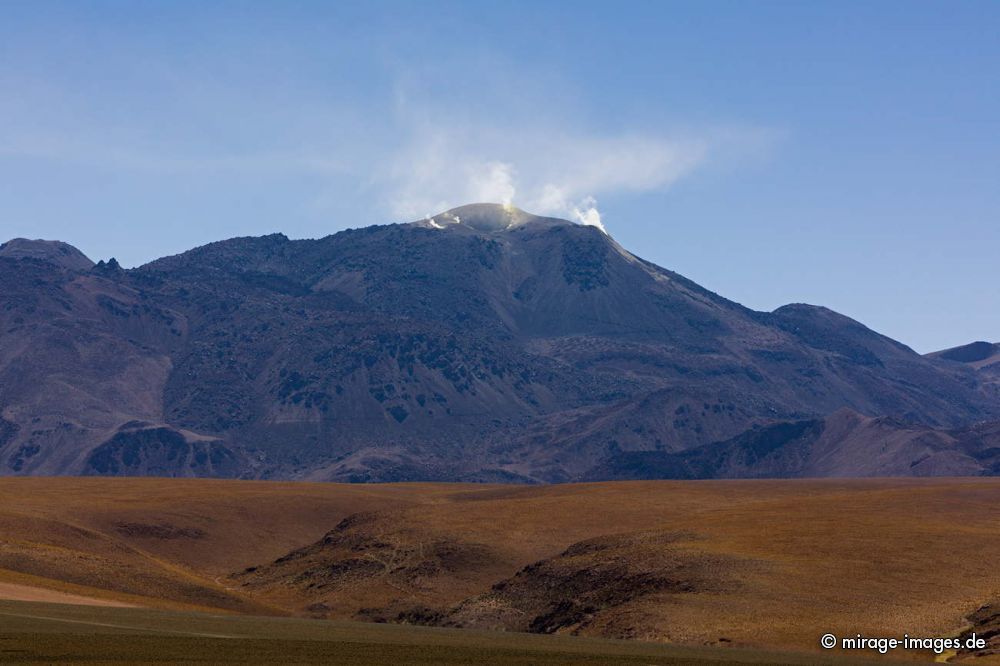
x: 553, y: 200
x: 493, y: 182
x: 588, y: 214
x: 546, y: 173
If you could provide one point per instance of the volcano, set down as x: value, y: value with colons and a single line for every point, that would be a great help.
x: 481, y: 344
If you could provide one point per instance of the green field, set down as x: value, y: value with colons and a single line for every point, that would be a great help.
x: 34, y: 633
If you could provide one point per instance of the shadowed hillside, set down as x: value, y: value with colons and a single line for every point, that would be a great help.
x: 845, y: 444
x: 485, y: 344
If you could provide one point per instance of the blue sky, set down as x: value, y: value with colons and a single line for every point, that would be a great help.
x: 836, y: 153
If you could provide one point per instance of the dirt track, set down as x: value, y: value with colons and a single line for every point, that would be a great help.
x: 14, y: 592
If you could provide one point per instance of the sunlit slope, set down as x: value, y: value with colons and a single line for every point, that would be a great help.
x: 736, y: 563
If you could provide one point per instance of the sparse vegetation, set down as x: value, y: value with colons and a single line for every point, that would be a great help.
x: 83, y: 635
x: 746, y: 564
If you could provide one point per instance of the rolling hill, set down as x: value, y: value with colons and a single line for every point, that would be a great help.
x: 747, y: 564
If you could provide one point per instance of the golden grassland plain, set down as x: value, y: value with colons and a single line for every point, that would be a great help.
x: 795, y: 559
x: 47, y: 633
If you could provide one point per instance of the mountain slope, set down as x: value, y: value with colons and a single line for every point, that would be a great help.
x: 483, y: 344
x: 844, y: 444
x: 52, y: 252
x: 983, y: 357
x: 977, y: 354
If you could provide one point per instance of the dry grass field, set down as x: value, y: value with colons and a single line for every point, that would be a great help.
x: 45, y: 633
x: 734, y: 564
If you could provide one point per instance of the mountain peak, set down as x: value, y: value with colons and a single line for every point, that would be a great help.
x: 54, y: 252
x: 492, y: 345
x: 490, y: 218
x: 975, y: 353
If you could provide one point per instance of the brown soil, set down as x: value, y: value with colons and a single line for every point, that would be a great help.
x: 753, y: 563
x: 15, y: 592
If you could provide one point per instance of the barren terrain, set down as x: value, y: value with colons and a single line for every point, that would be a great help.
x: 490, y: 346
x: 753, y: 564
